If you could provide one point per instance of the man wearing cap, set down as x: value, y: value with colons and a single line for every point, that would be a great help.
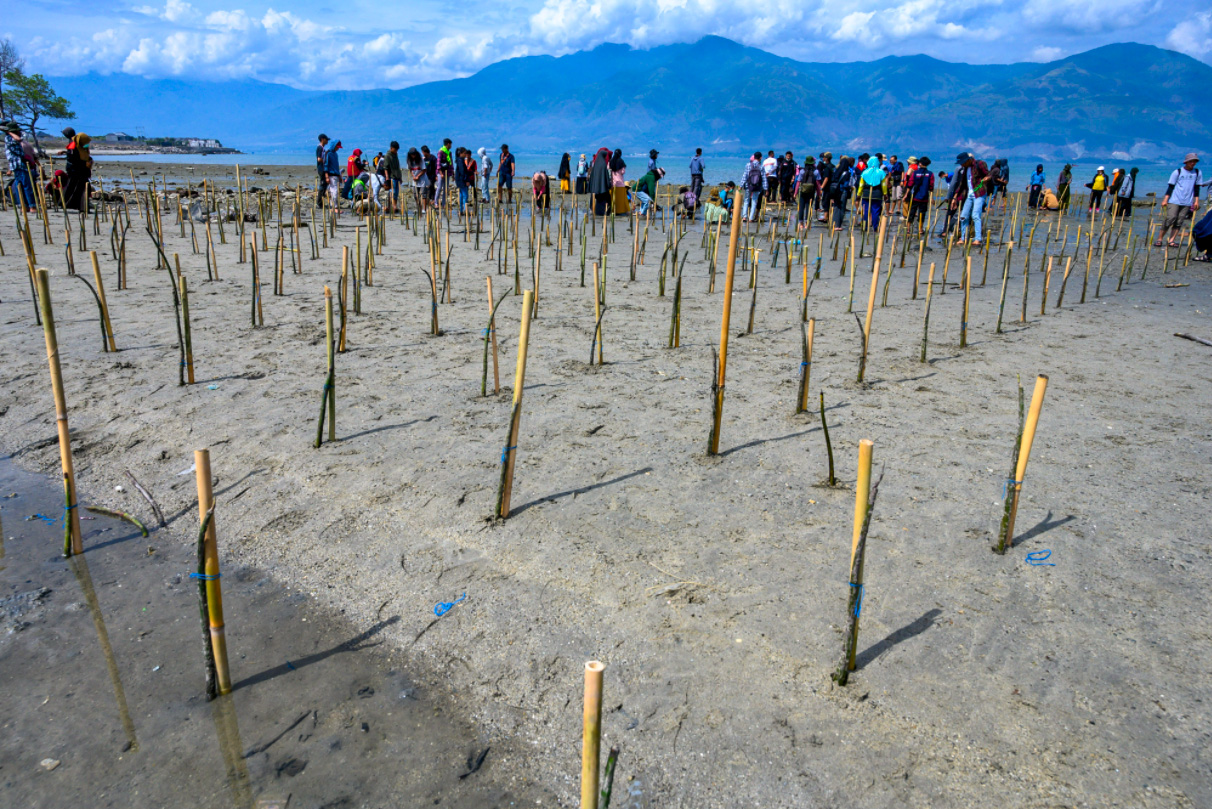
x: 14, y: 151
x: 1181, y: 200
x: 971, y: 186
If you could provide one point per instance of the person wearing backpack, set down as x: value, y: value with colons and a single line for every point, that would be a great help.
x: 805, y: 192
x: 696, y: 173
x: 753, y: 184
x: 840, y: 187
x: 1181, y: 200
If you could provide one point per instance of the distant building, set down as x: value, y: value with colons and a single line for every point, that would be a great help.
x: 203, y: 143
x: 117, y: 137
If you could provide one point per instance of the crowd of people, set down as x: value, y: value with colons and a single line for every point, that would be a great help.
x: 69, y: 187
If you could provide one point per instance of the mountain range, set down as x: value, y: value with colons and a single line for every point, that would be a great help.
x: 1124, y: 100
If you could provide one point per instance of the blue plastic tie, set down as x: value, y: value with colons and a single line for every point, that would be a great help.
x: 205, y: 577
x: 858, y: 602
x: 804, y: 364
x: 442, y: 608
x: 49, y: 521
x: 1006, y: 486
x: 505, y: 452
x: 1038, y: 557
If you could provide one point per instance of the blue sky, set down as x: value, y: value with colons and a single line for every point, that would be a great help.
x: 358, y: 44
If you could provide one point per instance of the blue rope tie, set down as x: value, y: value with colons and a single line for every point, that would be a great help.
x: 1038, y: 557
x: 1006, y: 486
x: 505, y: 452
x: 49, y: 521
x: 442, y: 608
x: 858, y: 602
x: 205, y: 577
x: 804, y: 364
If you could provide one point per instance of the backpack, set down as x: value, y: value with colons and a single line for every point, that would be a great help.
x: 753, y: 176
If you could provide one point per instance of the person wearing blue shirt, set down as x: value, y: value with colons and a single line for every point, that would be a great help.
x: 696, y: 173
x: 332, y: 168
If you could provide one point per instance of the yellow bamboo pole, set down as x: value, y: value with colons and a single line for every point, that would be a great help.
x: 734, y: 240
x: 875, y: 279
x: 591, y: 734
x: 597, y: 311
x: 862, y: 493
x: 1037, y: 403
x: 1043, y: 302
x: 214, y: 593
x: 967, y: 295
x: 71, y: 513
x: 807, y: 366
x: 189, y: 347
x: 109, y: 327
x: 509, y: 454
x: 492, y: 330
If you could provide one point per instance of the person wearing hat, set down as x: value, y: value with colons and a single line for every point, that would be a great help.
x: 1181, y: 200
x: 696, y: 173
x: 79, y: 172
x: 652, y: 159
x: 1097, y: 187
x: 14, y: 151
x: 485, y: 175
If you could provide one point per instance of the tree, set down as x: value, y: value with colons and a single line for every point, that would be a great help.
x: 30, y: 98
x: 10, y: 59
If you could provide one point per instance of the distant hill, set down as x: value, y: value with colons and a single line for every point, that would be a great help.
x: 1126, y: 98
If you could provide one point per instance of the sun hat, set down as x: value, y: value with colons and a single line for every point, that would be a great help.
x: 1191, y: 156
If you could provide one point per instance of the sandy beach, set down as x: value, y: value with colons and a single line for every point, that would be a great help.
x: 713, y: 588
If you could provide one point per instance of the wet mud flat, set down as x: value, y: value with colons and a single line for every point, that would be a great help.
x: 102, y: 698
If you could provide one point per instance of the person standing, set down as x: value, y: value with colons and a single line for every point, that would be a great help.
x: 565, y: 173
x: 972, y: 187
x: 472, y: 170
x: 599, y: 182
x: 463, y: 183
x: 582, y: 175
x: 505, y: 173
x: 871, y: 194
x: 618, y: 181
x: 920, y: 187
x: 14, y: 151
x: 1063, y: 181
x: 1097, y: 186
x: 79, y: 172
x: 429, y: 165
x: 395, y: 177
x: 841, y: 185
x: 322, y: 183
x: 332, y: 172
x: 896, y: 181
x: 805, y: 193
x: 485, y: 175
x: 445, y: 174
x: 1036, y: 185
x: 696, y: 173
x: 1125, y: 194
x: 754, y: 185
x: 1181, y: 200
x: 652, y: 159
x: 824, y: 175
x: 787, y: 172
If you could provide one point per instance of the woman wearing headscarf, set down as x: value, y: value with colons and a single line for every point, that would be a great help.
x: 618, y: 172
x: 1063, y: 181
x: 485, y: 175
x: 582, y: 175
x: 1125, y: 194
x: 565, y: 173
x: 840, y: 186
x: 420, y: 181
x: 599, y: 181
x: 1036, y: 186
x: 79, y: 172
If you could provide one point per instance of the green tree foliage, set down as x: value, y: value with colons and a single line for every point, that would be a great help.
x: 30, y: 98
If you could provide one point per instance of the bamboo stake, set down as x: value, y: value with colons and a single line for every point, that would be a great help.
x: 805, y: 365
x: 597, y: 314
x: 591, y: 734
x: 717, y: 392
x: 858, y: 547
x: 328, y: 397
x: 109, y: 328
x: 509, y: 452
x: 189, y: 346
x: 1043, y: 301
x: 73, y: 540
x: 926, y: 326
x: 1024, y: 453
x: 828, y: 444
x: 214, y: 593
x: 967, y: 295
x: 875, y: 278
x: 344, y: 295
x: 492, y: 332
x: 1064, y: 280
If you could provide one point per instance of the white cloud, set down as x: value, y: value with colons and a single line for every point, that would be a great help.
x: 1193, y: 36
x: 1086, y: 17
x: 1046, y: 53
